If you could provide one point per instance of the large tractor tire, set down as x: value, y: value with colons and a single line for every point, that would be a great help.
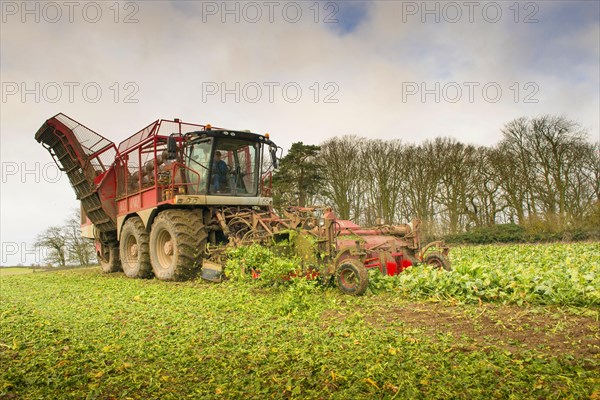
x: 134, y: 249
x: 438, y: 260
x: 177, y: 244
x: 351, y: 277
x: 110, y: 261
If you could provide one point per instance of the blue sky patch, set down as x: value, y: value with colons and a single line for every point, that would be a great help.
x: 349, y: 15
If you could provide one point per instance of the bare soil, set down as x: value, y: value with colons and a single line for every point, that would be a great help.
x: 546, y: 330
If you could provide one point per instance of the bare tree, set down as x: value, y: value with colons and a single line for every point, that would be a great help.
x: 421, y: 178
x: 592, y: 168
x: 383, y: 168
x: 456, y: 182
x: 54, y: 239
x: 514, y: 163
x: 343, y: 187
x: 80, y: 250
x: 548, y: 155
x: 484, y: 203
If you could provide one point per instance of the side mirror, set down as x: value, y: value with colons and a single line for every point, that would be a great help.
x: 171, y: 147
x: 273, y: 151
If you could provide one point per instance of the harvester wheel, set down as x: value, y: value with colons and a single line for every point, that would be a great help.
x: 351, y: 277
x: 110, y: 262
x: 134, y: 250
x: 177, y: 244
x: 438, y: 260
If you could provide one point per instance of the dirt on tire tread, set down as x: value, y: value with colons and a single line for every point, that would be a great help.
x: 190, y: 236
x: 144, y: 269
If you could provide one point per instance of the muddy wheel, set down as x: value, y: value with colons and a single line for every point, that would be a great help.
x: 351, y: 277
x: 109, y: 260
x: 438, y: 260
x: 134, y: 250
x: 177, y: 244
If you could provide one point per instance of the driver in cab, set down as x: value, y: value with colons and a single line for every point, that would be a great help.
x: 219, y: 172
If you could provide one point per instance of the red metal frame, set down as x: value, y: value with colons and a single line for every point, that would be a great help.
x: 149, y: 141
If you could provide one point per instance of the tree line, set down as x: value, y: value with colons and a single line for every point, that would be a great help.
x: 544, y: 172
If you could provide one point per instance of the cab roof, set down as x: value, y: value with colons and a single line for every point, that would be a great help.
x: 165, y: 128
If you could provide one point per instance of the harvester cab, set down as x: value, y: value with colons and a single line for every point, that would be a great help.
x: 169, y: 200
x: 218, y: 162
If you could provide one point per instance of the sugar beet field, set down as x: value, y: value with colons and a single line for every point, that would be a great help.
x: 510, y: 321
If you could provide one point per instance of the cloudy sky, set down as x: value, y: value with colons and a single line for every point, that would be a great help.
x: 301, y: 71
